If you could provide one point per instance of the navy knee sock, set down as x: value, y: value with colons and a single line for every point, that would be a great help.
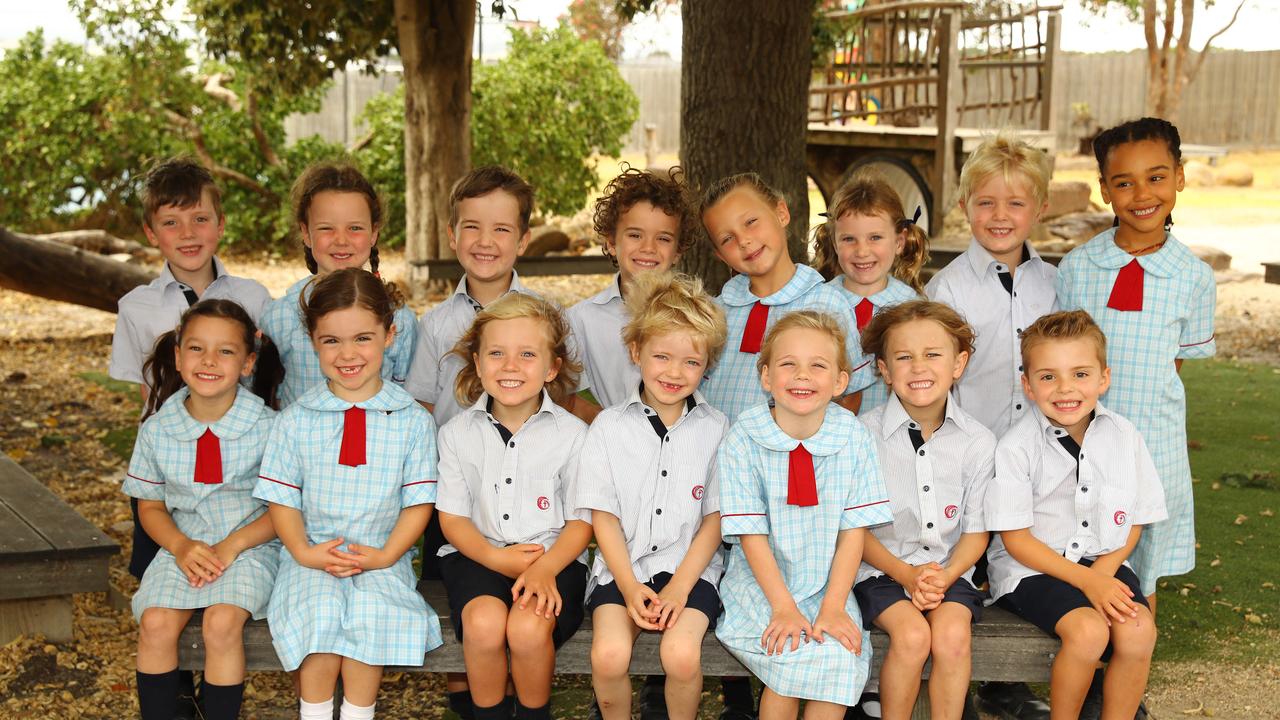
x: 501, y: 711
x: 528, y: 713
x: 221, y: 702
x: 158, y: 695
x: 460, y: 704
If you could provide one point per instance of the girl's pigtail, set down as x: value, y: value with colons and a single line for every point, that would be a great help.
x: 161, y: 372
x: 268, y: 372
x: 915, y: 253
x: 373, y: 258
x: 310, y: 259
x: 824, y: 250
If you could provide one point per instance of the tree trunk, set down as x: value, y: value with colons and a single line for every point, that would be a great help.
x: 744, y: 85
x: 434, y: 40
x: 57, y: 271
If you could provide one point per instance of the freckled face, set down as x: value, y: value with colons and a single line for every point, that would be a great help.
x: 339, y: 230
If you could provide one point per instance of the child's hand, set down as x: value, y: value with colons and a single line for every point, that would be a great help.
x: 226, y: 552
x: 1110, y: 597
x: 671, y: 602
x: 540, y: 581
x: 924, y: 601
x: 320, y: 557
x: 514, y: 560
x: 837, y: 623
x: 198, y: 562
x: 787, y: 623
x: 365, y: 557
x: 642, y: 603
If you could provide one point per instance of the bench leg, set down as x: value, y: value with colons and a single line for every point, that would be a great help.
x: 49, y: 616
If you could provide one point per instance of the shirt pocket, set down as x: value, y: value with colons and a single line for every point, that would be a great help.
x: 1114, y: 516
x: 950, y: 502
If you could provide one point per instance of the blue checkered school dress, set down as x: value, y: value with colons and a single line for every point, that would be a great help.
x: 376, y: 617
x: 753, y: 462
x: 734, y: 383
x: 895, y: 293
x: 282, y: 322
x: 162, y: 468
x: 1176, y: 322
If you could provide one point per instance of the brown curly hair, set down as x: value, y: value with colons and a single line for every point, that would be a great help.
x: 467, y: 387
x: 632, y: 185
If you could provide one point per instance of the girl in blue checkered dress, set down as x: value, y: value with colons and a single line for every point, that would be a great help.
x: 350, y: 475
x: 339, y: 216
x: 193, y: 469
x: 1154, y: 300
x: 871, y: 252
x: 800, y: 483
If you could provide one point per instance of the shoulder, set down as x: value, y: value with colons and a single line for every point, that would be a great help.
x: 981, y: 439
x: 1022, y: 435
x: 943, y: 280
x: 140, y: 298
x: 872, y: 420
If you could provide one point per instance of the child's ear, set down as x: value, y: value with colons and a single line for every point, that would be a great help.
x: 1106, y: 381
x: 524, y: 242
x: 376, y: 230
x: 883, y: 369
x: 783, y: 213
x: 249, y: 361
x: 554, y: 370
x: 842, y: 382
x: 306, y: 236
x: 391, y: 336
x: 453, y: 239
x: 634, y: 350
x: 1026, y: 386
x: 902, y: 242
x: 1180, y: 178
x: 151, y: 236
x: 1106, y: 194
x: 962, y: 361
x: 764, y: 380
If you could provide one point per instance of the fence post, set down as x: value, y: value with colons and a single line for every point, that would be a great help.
x: 1052, y: 37
x: 944, y: 171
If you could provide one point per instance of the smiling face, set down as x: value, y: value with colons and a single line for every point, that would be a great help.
x: 350, y: 343
x: 187, y: 237
x: 671, y: 367
x: 487, y: 237
x: 1065, y: 378
x: 748, y: 233
x: 339, y: 230
x: 515, y: 361
x: 921, y: 363
x: 866, y: 246
x: 647, y: 238
x: 211, y: 356
x: 1001, y: 215
x: 1141, y: 183
x: 803, y: 373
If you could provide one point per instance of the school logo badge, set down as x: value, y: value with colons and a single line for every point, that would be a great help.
x: 951, y: 511
x: 1120, y: 517
x: 544, y: 503
x: 697, y: 492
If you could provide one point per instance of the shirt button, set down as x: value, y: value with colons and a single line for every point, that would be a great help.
x: 926, y: 547
x: 1020, y: 368
x: 926, y: 488
x: 508, y: 481
x: 664, y: 473
x: 511, y: 444
x: 1085, y: 523
x: 654, y: 548
x: 921, y: 453
x: 1075, y: 545
x: 1084, y: 489
x: 928, y: 525
x: 666, y: 439
x: 658, y: 511
x: 1082, y: 455
x: 506, y: 516
x: 1019, y: 330
x: 1018, y: 406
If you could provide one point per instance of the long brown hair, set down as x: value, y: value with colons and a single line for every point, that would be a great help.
x: 325, y: 177
x: 866, y: 193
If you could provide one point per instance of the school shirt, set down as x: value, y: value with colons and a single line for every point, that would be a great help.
x: 597, y: 324
x: 515, y: 488
x: 435, y: 368
x: 1080, y: 508
x: 284, y: 324
x: 895, y: 293
x: 148, y: 311
x: 734, y: 383
x: 991, y: 388
x: 936, y: 486
x: 659, y: 482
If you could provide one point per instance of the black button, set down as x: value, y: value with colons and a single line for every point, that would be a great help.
x: 664, y: 473
x: 511, y: 444
x: 1084, y: 489
x: 926, y: 488
x: 506, y: 516
x: 1018, y: 406
x: 1019, y: 329
x: 928, y: 525
x: 1085, y: 523
x: 508, y: 481
x: 666, y: 439
x: 921, y: 453
x: 1015, y: 293
x: 1019, y: 368
x: 1075, y: 545
x: 654, y: 548
x: 926, y: 547
x: 1082, y: 455
x: 659, y: 511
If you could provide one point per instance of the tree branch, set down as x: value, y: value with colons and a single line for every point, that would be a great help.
x: 362, y: 143
x: 102, y: 243
x: 264, y: 145
x: 1204, y: 52
x: 214, y: 88
x: 202, y: 151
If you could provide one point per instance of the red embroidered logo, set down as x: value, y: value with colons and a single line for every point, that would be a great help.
x: 544, y: 503
x: 697, y: 492
x: 951, y: 511
x: 1120, y: 517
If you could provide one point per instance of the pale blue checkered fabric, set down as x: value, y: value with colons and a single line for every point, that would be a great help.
x: 377, y: 616
x: 1176, y: 322
x: 734, y: 383
x: 895, y: 293
x: 283, y: 323
x: 162, y: 468
x: 753, y: 462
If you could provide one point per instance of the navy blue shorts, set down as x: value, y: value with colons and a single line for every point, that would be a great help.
x: 465, y: 580
x: 875, y: 595
x: 703, y: 597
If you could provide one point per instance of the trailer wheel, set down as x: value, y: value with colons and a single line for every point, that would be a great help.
x: 904, y: 178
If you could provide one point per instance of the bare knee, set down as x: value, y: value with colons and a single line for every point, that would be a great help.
x: 911, y: 641
x: 610, y: 658
x: 159, y: 626
x: 1134, y: 639
x: 484, y: 624
x: 681, y: 660
x: 223, y: 626
x: 950, y: 641
x: 1084, y: 637
x: 528, y: 633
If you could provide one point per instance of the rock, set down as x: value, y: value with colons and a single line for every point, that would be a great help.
x: 1079, y: 227
x: 1067, y: 196
x: 1217, y: 259
x: 546, y: 239
x: 124, y: 527
x: 1234, y: 174
x: 1061, y: 247
x: 1198, y: 174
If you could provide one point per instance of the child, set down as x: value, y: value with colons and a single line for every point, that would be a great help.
x: 339, y: 215
x: 800, y: 482
x: 647, y: 476
x: 192, y: 472
x: 514, y: 571
x: 1000, y: 285
x: 645, y: 224
x: 746, y: 223
x: 915, y: 582
x: 350, y: 472
x: 871, y: 251
x: 1074, y: 484
x: 1154, y: 300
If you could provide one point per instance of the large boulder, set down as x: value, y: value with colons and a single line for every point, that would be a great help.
x: 1067, y: 196
x: 1234, y: 174
x: 1079, y: 227
x: 1198, y: 174
x: 1216, y: 259
x: 546, y: 239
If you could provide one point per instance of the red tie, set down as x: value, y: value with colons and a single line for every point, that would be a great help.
x: 802, y: 487
x: 352, y: 452
x: 753, y: 334
x: 1126, y: 294
x: 863, y: 311
x: 208, y: 459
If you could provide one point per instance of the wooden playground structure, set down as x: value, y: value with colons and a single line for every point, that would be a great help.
x: 904, y: 79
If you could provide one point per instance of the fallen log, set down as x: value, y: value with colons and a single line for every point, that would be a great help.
x: 59, y: 271
x: 103, y: 243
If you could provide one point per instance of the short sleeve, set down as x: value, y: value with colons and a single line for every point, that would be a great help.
x: 400, y: 355
x: 424, y: 369
x: 126, y: 349
x: 863, y: 375
x: 255, y: 299
x: 1064, y: 297
x: 1150, y: 493
x: 420, y: 473
x: 1197, y: 337
x: 1008, y: 504
x: 567, y: 490
x: 744, y: 508
x: 979, y: 468
x: 578, y: 344
x: 711, y: 488
x: 274, y: 323
x: 938, y: 290
x: 867, y: 504
x: 454, y: 490
x: 144, y: 480
x: 280, y: 475
x: 594, y: 487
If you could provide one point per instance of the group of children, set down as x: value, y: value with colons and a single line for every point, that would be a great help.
x: 728, y: 419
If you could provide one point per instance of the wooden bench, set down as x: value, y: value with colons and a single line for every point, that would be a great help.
x: 1271, y: 272
x: 48, y: 552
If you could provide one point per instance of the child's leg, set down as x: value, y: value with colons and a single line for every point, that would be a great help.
x: 158, y: 632
x: 908, y: 649
x: 223, y: 687
x: 778, y: 707
x: 1132, y: 643
x: 359, y: 689
x: 318, y: 677
x: 533, y: 655
x: 681, y: 652
x: 950, y: 632
x: 816, y: 710
x: 614, y: 636
x: 484, y: 649
x: 1084, y: 638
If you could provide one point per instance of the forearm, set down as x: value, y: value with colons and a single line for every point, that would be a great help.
x: 408, y: 528
x: 878, y: 556
x: 583, y: 409
x: 765, y: 569
x: 1026, y: 549
x: 966, y: 554
x: 252, y: 535
x: 1110, y: 563
x: 463, y: 535
x: 612, y: 544
x: 844, y: 567
x: 158, y: 523
x: 290, y: 527
x: 574, y: 538
x: 704, y: 546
